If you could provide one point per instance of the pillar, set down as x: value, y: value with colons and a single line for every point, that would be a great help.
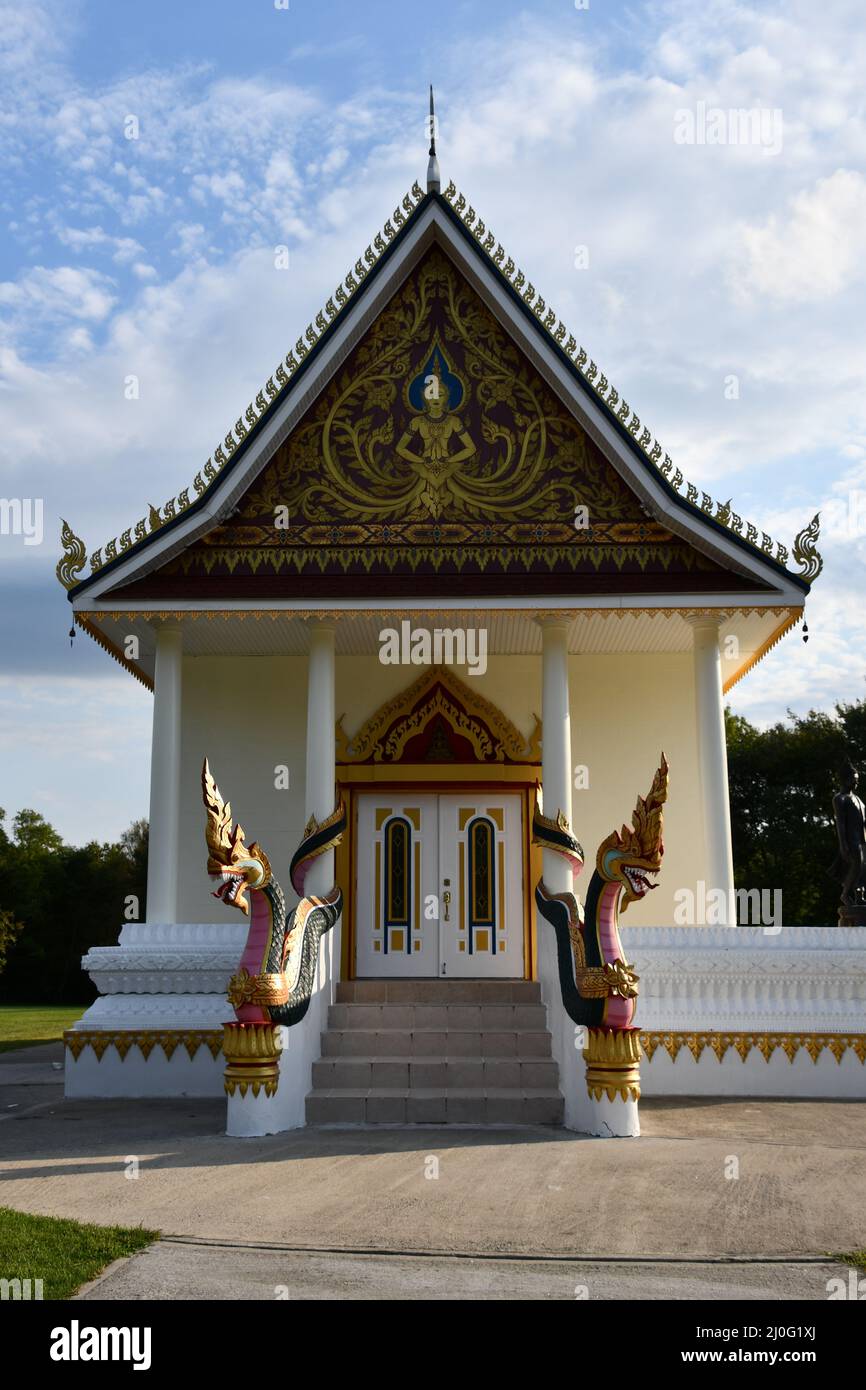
x: 602, y: 1117
x: 713, y: 758
x: 556, y: 747
x: 163, y: 849
x: 321, y: 748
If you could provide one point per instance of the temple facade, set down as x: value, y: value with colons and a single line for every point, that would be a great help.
x: 439, y: 591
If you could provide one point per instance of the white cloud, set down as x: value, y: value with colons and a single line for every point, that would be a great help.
x: 62, y: 292
x: 816, y: 251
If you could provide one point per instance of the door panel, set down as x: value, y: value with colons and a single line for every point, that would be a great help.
x: 398, y: 868
x: 481, y: 867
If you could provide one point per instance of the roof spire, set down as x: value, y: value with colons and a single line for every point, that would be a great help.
x: 433, y: 182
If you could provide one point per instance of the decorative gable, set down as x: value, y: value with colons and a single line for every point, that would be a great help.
x: 436, y: 461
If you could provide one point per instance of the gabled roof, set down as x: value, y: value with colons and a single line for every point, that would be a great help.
x: 420, y: 218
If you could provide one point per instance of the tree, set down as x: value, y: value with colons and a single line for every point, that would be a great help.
x: 782, y: 782
x: 68, y: 898
x: 10, y: 930
x: 34, y: 835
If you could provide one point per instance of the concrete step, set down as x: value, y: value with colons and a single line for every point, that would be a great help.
x: 469, y: 1106
x: 438, y: 992
x: 449, y: 1073
x: 528, y: 1044
x: 487, y: 1018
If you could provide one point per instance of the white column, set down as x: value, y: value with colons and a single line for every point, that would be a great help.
x: 162, y: 851
x: 713, y: 757
x: 556, y: 747
x: 321, y: 752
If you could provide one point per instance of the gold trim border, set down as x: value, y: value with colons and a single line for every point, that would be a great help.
x: 765, y: 1043
x: 145, y: 1039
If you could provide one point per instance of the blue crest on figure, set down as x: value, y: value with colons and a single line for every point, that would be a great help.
x: 436, y: 365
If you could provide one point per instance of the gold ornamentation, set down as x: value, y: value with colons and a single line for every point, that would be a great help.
x: 438, y: 692
x: 612, y: 1058
x: 765, y: 1043
x: 805, y: 550
x: 244, y: 988
x: 74, y: 557
x: 168, y: 1039
x: 252, y: 1053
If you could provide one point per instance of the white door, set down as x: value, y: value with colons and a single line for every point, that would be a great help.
x: 481, y: 873
x: 398, y: 874
x: 440, y: 885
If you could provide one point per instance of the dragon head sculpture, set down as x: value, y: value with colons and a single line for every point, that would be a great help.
x: 631, y: 856
x: 238, y: 866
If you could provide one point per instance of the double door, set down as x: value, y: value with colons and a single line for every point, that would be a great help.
x: 440, y: 885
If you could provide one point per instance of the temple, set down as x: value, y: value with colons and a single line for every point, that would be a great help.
x: 447, y: 621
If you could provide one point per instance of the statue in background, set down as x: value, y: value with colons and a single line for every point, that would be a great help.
x: 850, y: 863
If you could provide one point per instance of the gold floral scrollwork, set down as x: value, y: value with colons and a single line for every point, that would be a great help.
x: 837, y: 1044
x: 74, y: 557
x: 146, y: 1040
x: 244, y: 988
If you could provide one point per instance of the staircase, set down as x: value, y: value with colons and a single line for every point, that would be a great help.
x: 470, y: 1052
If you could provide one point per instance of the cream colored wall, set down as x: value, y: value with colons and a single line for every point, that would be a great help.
x: 247, y: 715
x: 250, y: 714
x: 624, y: 711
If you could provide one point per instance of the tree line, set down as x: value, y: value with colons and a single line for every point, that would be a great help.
x: 58, y: 900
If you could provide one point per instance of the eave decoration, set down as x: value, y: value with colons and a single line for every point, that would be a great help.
x: 438, y: 719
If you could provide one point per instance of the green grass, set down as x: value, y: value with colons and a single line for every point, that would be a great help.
x: 63, y: 1254
x: 22, y: 1025
x: 857, y: 1258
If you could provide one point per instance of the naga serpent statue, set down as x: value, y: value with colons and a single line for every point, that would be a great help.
x: 274, y: 981
x: 599, y: 987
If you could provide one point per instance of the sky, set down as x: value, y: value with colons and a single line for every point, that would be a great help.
x: 145, y: 247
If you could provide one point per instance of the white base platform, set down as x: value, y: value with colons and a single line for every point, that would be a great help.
x: 801, y: 990
x: 165, y: 985
x: 798, y: 989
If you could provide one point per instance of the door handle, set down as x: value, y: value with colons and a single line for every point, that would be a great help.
x: 446, y: 898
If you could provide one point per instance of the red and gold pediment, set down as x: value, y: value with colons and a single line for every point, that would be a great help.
x: 436, y: 461
x: 438, y: 719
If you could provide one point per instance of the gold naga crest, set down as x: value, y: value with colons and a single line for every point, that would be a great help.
x: 241, y: 866
x: 630, y: 854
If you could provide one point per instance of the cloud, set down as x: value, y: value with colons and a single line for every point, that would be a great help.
x: 54, y: 294
x: 813, y: 253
